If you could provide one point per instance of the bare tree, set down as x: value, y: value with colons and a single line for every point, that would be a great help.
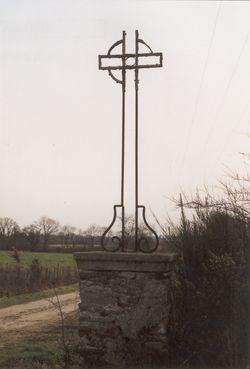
x: 67, y: 234
x: 8, y: 227
x: 47, y: 227
x: 8, y: 231
x: 33, y: 234
x: 92, y: 232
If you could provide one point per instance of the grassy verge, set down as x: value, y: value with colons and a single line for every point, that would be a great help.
x: 27, y: 297
x: 49, y: 259
x: 43, y: 350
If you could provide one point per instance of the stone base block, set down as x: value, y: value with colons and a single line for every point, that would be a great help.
x: 124, y: 307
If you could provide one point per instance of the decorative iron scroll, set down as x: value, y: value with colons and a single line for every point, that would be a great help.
x: 121, y: 62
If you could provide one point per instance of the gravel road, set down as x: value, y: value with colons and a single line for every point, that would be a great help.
x: 19, y: 320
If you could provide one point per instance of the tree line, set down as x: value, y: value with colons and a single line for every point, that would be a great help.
x: 45, y: 234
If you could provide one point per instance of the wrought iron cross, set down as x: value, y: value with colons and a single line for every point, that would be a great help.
x: 122, y: 62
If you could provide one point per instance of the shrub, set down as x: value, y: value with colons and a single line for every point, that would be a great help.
x: 209, y: 307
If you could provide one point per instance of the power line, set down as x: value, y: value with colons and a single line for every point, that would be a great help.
x: 219, y: 108
x: 197, y: 100
x: 228, y: 141
x: 224, y: 96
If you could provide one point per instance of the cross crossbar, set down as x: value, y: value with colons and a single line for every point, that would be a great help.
x: 125, y: 57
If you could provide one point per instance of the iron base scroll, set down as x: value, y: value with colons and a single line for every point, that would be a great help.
x: 150, y: 243
x: 117, y: 242
x: 146, y: 239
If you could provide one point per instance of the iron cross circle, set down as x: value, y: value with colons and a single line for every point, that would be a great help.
x: 124, y: 61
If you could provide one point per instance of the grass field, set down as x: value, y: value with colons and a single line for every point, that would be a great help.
x: 49, y: 259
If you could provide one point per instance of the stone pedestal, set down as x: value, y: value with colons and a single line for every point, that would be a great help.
x: 124, y: 307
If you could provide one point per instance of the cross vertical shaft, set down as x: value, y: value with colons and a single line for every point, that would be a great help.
x: 136, y: 139
x: 123, y: 134
x: 119, y: 62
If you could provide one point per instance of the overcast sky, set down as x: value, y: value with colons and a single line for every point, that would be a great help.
x: 60, y: 117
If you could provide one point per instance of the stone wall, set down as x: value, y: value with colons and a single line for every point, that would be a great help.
x: 124, y: 307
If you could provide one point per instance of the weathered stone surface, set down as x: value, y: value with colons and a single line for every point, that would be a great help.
x: 132, y: 262
x: 124, y: 307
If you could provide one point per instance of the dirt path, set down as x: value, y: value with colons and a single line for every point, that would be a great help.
x: 19, y: 320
